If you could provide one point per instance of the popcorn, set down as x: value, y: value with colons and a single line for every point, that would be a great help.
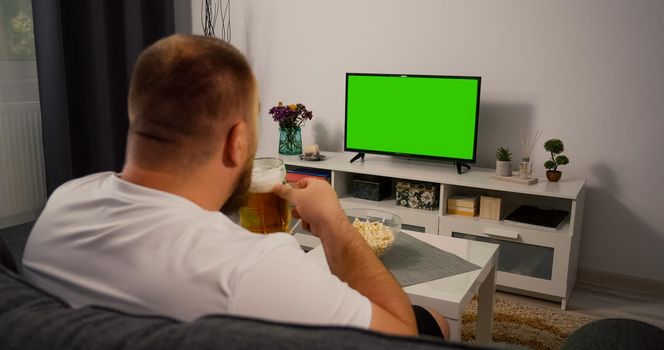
x: 378, y: 236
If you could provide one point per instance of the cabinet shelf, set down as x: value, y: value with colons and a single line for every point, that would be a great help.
x: 387, y: 204
x: 564, y: 228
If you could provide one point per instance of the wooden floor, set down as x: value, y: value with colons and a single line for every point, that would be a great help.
x: 601, y: 301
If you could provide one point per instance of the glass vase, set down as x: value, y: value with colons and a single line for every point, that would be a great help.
x: 290, y: 141
x: 525, y: 168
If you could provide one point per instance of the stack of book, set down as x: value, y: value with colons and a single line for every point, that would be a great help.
x: 463, y: 205
x: 296, y: 174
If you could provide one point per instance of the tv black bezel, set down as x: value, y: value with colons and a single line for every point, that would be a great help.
x: 409, y: 155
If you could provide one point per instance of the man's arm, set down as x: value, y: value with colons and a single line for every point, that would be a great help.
x: 349, y: 256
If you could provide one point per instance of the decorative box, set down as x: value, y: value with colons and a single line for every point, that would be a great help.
x: 490, y: 207
x: 418, y: 195
x: 374, y: 188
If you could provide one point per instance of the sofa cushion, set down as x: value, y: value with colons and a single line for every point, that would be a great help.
x: 6, y: 258
x: 33, y: 319
x: 615, y: 333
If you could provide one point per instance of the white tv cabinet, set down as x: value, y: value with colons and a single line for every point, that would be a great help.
x: 533, y: 261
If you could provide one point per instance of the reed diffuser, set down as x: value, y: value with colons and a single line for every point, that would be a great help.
x: 527, y: 145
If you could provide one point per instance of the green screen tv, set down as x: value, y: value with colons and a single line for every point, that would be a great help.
x: 413, y: 115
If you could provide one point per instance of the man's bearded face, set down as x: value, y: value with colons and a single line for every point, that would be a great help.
x: 239, y: 196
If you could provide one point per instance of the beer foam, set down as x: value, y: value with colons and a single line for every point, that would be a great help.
x: 264, y: 177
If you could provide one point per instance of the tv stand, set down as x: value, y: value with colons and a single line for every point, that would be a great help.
x: 534, y: 261
x: 458, y: 166
x: 358, y: 156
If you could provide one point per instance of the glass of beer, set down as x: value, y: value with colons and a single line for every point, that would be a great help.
x: 264, y: 211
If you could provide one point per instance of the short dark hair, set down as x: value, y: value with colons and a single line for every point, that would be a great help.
x: 183, y: 88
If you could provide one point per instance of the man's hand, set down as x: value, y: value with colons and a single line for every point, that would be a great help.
x: 317, y: 205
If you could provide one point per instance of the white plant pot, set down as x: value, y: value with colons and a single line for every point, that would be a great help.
x: 503, y: 168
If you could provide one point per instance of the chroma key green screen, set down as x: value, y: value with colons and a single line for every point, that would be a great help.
x: 412, y: 115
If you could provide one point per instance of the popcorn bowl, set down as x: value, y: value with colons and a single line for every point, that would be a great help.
x: 379, y: 228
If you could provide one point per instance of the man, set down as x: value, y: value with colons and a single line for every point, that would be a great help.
x: 151, y: 240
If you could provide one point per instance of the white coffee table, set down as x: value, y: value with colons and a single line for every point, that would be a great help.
x: 450, y: 295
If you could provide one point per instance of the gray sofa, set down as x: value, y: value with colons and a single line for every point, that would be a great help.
x: 33, y: 319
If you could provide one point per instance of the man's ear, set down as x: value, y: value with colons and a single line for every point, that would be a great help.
x: 237, y: 145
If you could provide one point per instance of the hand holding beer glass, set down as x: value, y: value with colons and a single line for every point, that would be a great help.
x: 264, y: 211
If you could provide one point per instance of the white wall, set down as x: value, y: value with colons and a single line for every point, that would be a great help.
x: 589, y: 72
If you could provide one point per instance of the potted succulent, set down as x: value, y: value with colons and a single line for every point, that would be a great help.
x: 503, y: 161
x: 555, y: 147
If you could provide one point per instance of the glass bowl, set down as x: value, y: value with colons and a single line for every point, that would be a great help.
x: 381, y: 241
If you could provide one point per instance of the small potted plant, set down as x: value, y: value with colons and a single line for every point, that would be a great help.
x: 503, y: 161
x: 555, y: 147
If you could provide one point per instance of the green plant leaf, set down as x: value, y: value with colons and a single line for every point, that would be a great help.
x: 549, y: 164
x: 503, y: 154
x: 562, y: 160
x: 554, y: 146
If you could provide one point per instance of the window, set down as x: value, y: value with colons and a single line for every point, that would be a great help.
x: 22, y: 181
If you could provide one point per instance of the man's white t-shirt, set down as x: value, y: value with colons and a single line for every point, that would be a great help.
x: 105, y: 241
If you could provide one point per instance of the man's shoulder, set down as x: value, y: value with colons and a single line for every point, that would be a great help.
x: 85, y: 181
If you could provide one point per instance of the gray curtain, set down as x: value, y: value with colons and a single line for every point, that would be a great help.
x: 85, y: 53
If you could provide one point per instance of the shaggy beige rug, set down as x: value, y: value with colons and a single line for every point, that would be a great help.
x: 530, y: 326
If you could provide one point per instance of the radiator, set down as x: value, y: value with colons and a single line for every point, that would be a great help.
x: 22, y: 179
